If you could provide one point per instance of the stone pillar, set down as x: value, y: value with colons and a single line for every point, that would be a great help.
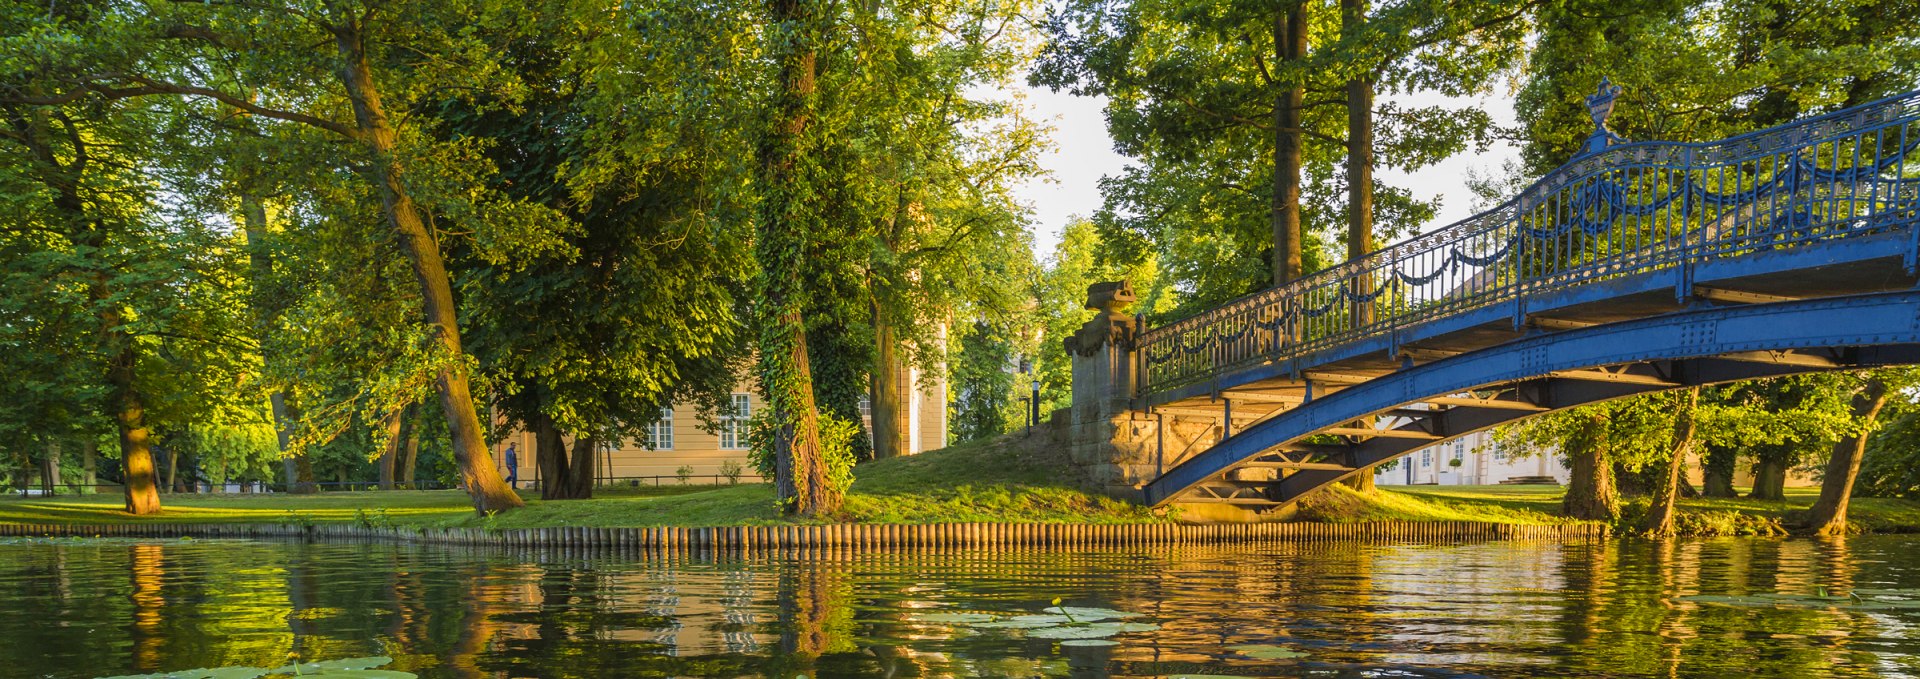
x: 1112, y: 445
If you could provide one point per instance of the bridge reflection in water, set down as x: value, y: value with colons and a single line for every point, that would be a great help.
x: 1636, y: 267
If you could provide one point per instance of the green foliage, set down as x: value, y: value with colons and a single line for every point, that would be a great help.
x: 986, y: 401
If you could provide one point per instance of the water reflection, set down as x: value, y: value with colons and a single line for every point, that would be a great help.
x: 99, y: 608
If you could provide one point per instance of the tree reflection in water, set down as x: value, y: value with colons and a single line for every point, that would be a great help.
x: 1620, y: 608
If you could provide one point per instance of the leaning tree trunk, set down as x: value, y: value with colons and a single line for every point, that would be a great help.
x: 390, y: 451
x: 1659, y: 520
x: 1590, y: 492
x: 1829, y: 513
x: 1290, y: 43
x: 489, y: 492
x: 253, y: 221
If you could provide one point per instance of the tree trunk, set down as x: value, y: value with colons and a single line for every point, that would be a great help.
x: 550, y: 456
x: 482, y: 481
x: 136, y: 453
x: 50, y: 468
x: 1769, y: 480
x: 788, y: 172
x: 1590, y: 492
x: 580, y: 473
x: 1659, y: 520
x: 390, y: 451
x: 1353, y: 19
x: 1829, y: 513
x: 89, y: 465
x: 253, y: 221
x: 1290, y: 41
x: 173, y: 470
x: 887, y: 400
x: 1716, y: 471
x: 410, y: 461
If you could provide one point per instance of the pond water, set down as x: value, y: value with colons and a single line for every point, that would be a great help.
x: 94, y: 608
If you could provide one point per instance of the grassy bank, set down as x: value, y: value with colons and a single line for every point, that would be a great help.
x: 962, y: 483
x: 1697, y: 516
x: 969, y: 483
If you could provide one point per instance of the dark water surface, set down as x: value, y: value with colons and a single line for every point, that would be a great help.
x: 105, y: 607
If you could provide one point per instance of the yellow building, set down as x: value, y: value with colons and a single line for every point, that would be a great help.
x: 679, y: 439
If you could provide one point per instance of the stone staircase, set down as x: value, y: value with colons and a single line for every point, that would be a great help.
x: 1530, y: 481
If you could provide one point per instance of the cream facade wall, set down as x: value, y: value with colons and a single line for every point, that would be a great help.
x: 707, y: 452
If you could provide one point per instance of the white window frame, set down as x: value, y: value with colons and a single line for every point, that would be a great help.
x: 733, y: 427
x: 660, y: 431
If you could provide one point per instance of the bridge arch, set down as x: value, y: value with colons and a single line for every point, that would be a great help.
x: 1458, y: 395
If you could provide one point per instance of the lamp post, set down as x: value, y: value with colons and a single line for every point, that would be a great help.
x: 1033, y: 405
x: 1026, y: 368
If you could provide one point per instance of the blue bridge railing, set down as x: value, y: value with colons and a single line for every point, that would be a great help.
x: 1615, y: 211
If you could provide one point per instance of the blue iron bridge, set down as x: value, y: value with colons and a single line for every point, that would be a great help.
x: 1636, y: 267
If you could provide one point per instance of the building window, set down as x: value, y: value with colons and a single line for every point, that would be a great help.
x: 1459, y: 450
x: 866, y: 407
x: 660, y: 432
x: 1426, y: 459
x: 733, y: 427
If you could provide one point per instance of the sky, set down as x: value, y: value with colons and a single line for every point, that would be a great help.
x: 1083, y: 153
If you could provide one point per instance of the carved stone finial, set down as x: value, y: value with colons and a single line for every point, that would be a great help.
x: 1600, y: 105
x: 1110, y: 296
x: 1111, y: 325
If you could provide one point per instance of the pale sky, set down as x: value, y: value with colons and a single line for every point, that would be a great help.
x: 1084, y: 153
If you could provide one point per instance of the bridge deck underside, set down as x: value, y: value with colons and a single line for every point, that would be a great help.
x: 1258, y: 459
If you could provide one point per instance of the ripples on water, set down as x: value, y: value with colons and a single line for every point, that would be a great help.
x: 95, y: 608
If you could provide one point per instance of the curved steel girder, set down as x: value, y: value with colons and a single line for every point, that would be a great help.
x: 1680, y: 348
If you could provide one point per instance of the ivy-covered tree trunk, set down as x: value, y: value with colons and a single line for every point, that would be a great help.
x: 1769, y: 478
x: 1590, y: 492
x: 1659, y: 520
x: 1290, y: 43
x: 410, y: 458
x: 1716, y: 470
x: 1829, y: 513
x: 489, y: 492
x: 787, y: 218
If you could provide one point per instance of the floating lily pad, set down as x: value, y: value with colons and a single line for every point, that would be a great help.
x: 204, y: 673
x: 1864, y: 600
x: 360, y: 668
x: 1026, y: 622
x: 961, y: 618
x: 1089, y: 642
x: 1089, y: 614
x: 1267, y: 652
x: 1094, y: 630
x: 1210, y: 676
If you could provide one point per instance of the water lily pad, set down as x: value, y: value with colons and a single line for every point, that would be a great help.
x: 962, y: 618
x: 1025, y: 622
x: 1089, y: 614
x: 1863, y: 600
x: 1094, y: 630
x: 203, y: 673
x: 1089, y: 642
x: 344, y: 668
x: 1267, y: 652
x: 1210, y: 676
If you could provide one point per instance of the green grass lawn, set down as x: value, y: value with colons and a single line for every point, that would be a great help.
x: 999, y: 481
x: 961, y: 483
x: 1698, y: 516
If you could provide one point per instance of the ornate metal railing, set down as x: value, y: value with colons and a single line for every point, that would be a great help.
x: 1617, y: 210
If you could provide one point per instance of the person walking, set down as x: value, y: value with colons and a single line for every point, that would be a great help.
x: 513, y: 467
